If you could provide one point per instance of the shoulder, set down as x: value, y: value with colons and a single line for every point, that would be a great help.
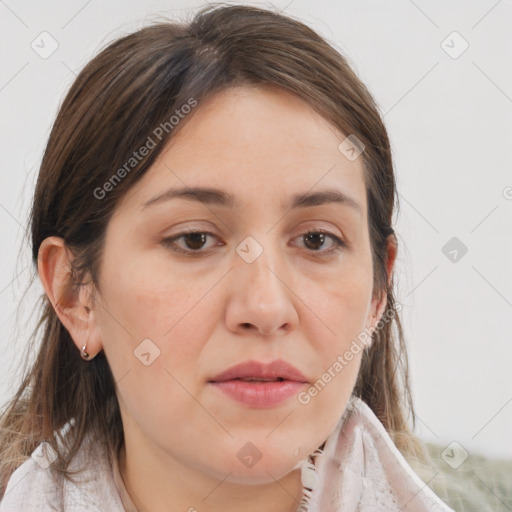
x: 29, y: 481
x: 36, y: 486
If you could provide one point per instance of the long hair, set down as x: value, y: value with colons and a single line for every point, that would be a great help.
x: 128, y: 92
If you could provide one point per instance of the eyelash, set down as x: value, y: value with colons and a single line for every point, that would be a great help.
x: 338, y: 243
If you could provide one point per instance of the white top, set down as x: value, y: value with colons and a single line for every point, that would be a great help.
x: 358, y: 470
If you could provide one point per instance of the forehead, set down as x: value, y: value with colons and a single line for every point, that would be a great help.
x: 258, y: 143
x: 241, y: 119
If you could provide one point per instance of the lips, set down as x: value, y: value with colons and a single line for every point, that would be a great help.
x: 277, y: 370
x: 259, y: 385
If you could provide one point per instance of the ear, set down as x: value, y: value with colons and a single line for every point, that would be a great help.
x: 73, y: 305
x: 379, y: 304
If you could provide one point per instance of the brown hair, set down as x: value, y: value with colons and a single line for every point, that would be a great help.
x: 131, y: 87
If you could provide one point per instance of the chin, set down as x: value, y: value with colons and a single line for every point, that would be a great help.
x: 259, y: 474
x: 257, y: 463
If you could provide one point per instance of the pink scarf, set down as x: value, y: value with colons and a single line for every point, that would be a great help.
x: 361, y: 470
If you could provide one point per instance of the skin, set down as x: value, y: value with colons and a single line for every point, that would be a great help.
x: 210, y: 311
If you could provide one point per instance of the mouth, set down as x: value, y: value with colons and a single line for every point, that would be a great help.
x: 256, y: 379
x: 278, y: 370
x: 259, y: 385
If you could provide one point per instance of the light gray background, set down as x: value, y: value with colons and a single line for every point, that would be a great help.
x: 449, y: 121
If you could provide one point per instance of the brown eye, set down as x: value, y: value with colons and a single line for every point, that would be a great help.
x: 194, y: 242
x: 314, y: 241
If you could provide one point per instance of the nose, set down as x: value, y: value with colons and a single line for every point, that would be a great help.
x: 262, y: 298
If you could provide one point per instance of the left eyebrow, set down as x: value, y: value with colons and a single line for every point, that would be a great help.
x: 219, y: 197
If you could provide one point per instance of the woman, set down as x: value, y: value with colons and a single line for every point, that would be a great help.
x: 212, y: 228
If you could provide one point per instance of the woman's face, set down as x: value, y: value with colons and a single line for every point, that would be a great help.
x: 171, y: 315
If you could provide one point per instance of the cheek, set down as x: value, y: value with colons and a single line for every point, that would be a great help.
x: 152, y: 298
x: 340, y: 306
x: 157, y: 316
x: 337, y: 310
